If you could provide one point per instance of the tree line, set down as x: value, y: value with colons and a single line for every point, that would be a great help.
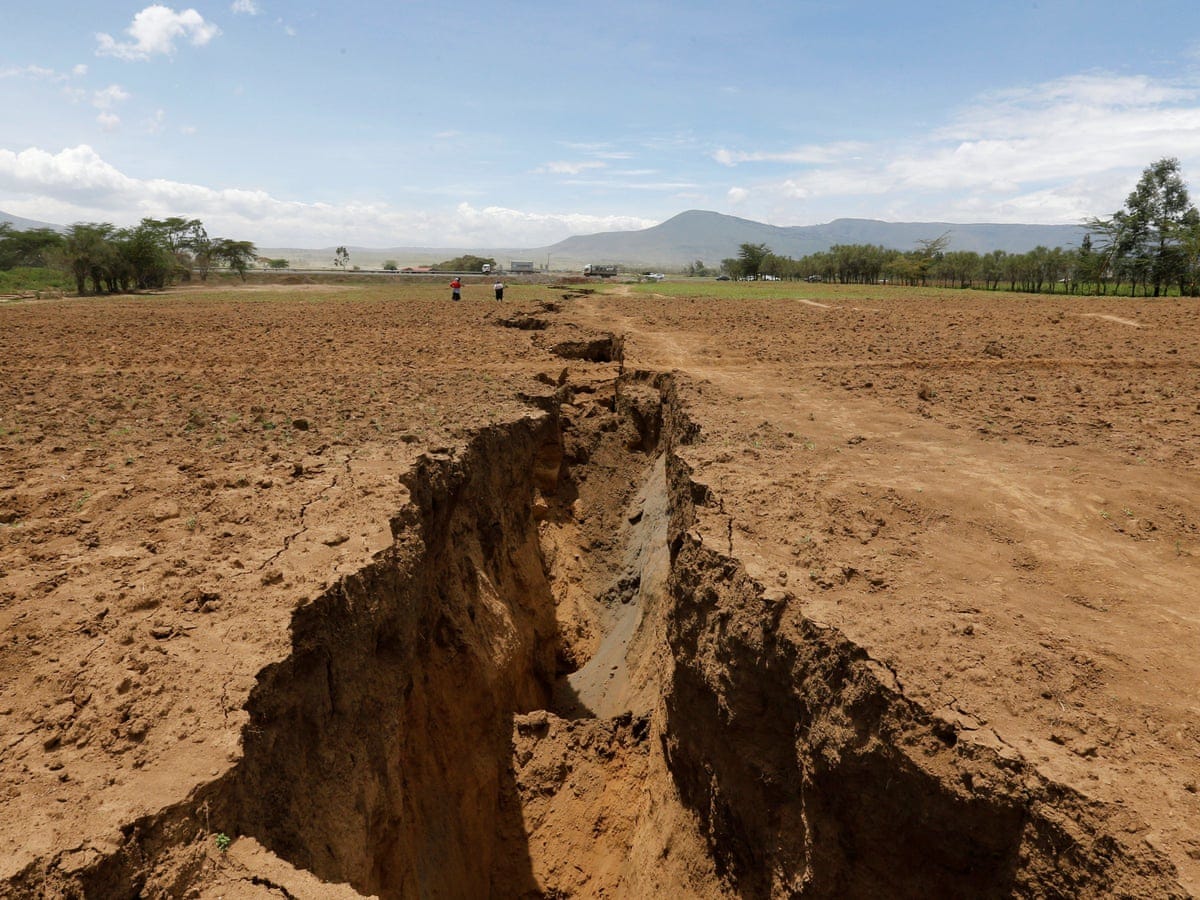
x: 101, y: 258
x: 1151, y: 244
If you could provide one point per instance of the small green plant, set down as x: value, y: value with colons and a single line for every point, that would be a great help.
x: 191, y: 523
x: 223, y: 841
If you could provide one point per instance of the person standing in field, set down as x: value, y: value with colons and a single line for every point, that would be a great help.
x: 456, y: 289
x: 498, y: 287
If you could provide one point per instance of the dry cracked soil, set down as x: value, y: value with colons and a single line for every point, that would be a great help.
x: 343, y: 590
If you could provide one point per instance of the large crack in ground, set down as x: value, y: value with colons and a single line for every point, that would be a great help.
x: 559, y: 682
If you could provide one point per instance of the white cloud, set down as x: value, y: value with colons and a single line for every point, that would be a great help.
x: 618, y: 184
x: 42, y: 73
x: 737, y: 195
x: 497, y: 223
x: 154, y: 31
x: 1055, y: 152
x: 75, y: 171
x: 31, y: 71
x: 107, y: 97
x: 807, y: 155
x: 245, y: 7
x: 569, y: 168
x: 109, y: 121
x: 76, y: 184
x: 1085, y: 90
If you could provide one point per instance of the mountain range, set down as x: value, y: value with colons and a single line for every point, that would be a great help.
x: 700, y: 235
x: 711, y: 237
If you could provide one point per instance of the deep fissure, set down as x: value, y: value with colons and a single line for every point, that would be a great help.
x: 555, y: 682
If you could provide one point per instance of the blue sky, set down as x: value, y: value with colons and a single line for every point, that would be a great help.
x: 465, y: 124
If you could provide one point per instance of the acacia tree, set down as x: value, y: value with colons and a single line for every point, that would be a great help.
x: 143, y: 259
x: 152, y: 255
x: 31, y: 247
x: 236, y: 254
x: 1146, y: 240
x: 751, y: 258
x: 1161, y: 210
x: 184, y: 239
x: 1189, y: 281
x: 86, y: 253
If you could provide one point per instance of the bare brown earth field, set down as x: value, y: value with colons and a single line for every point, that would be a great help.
x: 629, y: 592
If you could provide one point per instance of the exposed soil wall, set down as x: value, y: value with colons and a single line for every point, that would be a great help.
x: 377, y: 754
x: 815, y: 775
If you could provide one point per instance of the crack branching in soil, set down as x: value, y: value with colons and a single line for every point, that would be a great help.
x: 559, y: 681
x: 289, y: 539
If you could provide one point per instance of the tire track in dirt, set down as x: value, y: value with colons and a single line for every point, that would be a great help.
x: 1107, y: 318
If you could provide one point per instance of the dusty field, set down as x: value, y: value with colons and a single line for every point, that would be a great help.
x: 985, y: 505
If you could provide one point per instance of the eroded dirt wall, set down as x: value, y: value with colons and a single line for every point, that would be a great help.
x: 815, y: 776
x: 377, y: 754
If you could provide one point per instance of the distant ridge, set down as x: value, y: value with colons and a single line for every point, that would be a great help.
x: 711, y: 237
x: 25, y: 224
